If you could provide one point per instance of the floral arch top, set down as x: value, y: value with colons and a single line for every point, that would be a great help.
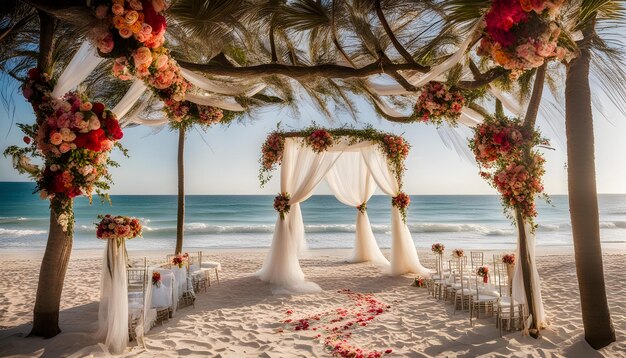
x: 395, y: 147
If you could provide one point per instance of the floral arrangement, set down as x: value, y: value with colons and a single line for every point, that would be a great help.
x: 117, y: 227
x: 320, y: 140
x: 438, y: 248
x: 522, y: 35
x: 401, y: 201
x: 179, y: 260
x: 156, y: 278
x: 335, y: 327
x: 519, y: 182
x: 508, y: 259
x: 504, y: 152
x: 133, y: 33
x: 362, y: 208
x: 419, y: 282
x: 437, y: 103
x: 458, y: 253
x: 272, y: 151
x: 395, y: 147
x: 281, y: 204
x: 497, y: 137
x: 74, y: 137
x: 483, y: 272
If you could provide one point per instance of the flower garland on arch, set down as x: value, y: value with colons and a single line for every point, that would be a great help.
x: 438, y: 103
x: 522, y: 35
x: 133, y: 33
x: 395, y: 147
x: 504, y: 151
x: 74, y: 138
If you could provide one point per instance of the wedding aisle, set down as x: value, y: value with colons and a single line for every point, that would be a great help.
x: 240, y: 317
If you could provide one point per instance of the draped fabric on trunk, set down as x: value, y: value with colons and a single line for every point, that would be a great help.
x: 353, y: 185
x: 404, y: 257
x: 519, y: 293
x: 301, y: 171
x: 113, y: 309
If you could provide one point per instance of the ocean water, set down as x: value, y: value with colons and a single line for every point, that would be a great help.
x: 247, y: 221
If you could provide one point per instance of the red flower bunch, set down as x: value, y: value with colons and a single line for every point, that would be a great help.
x: 401, y: 201
x: 437, y: 248
x: 156, y: 278
x: 419, y: 282
x: 281, y: 204
x: 437, y: 102
x: 521, y: 35
x: 272, y: 150
x: 320, y: 140
x: 458, y: 253
x: 118, y: 227
x: 483, y: 272
x: 396, y: 147
x: 497, y: 138
x: 209, y: 115
x: 508, y: 259
x: 178, y: 260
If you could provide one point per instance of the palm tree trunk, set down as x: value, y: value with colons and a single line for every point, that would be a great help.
x: 59, y: 246
x: 583, y: 201
x: 51, y: 278
x: 525, y: 260
x: 180, y: 219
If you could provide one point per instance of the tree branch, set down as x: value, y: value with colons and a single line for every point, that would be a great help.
x: 483, y: 79
x: 394, y: 40
x: 535, y: 99
x: 17, y: 26
x: 302, y: 72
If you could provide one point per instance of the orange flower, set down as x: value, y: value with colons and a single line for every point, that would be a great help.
x: 119, y: 22
x: 500, y: 57
x: 136, y: 27
x: 526, y: 5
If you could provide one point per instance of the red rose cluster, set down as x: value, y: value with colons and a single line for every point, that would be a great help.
x: 522, y: 34
x: 496, y: 138
x: 320, y: 140
x: 396, y: 147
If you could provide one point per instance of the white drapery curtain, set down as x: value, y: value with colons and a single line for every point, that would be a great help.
x: 85, y: 60
x: 404, y: 257
x: 301, y: 171
x: 113, y: 309
x: 519, y: 293
x: 352, y: 184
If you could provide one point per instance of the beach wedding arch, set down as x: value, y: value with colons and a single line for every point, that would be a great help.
x: 353, y: 162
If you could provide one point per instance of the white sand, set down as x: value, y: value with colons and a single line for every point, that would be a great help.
x: 241, y: 318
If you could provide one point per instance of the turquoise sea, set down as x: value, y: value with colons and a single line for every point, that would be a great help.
x: 247, y: 221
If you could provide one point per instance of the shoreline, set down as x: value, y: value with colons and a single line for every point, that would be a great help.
x: 541, y: 250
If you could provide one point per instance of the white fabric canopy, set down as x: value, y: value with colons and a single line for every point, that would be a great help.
x: 301, y: 171
x: 519, y: 293
x: 404, y: 257
x: 352, y: 184
x: 82, y: 64
x: 113, y: 309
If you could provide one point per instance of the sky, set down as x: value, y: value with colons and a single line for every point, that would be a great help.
x: 224, y: 160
